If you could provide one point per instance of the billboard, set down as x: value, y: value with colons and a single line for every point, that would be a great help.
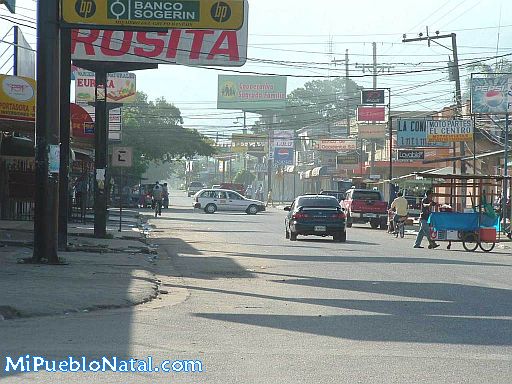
x: 115, y: 122
x: 251, y: 93
x: 371, y: 114
x: 372, y: 96
x: 24, y: 56
x: 17, y: 98
x: 173, y: 46
x: 348, y: 161
x: 412, y: 133
x: 246, y: 142
x: 154, y: 14
x: 121, y: 87
x: 337, y: 145
x: 449, y: 130
x: 371, y: 131
x: 283, y: 156
x: 492, y: 95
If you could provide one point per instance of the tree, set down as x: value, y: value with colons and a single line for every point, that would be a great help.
x: 154, y: 130
x: 320, y: 100
x: 244, y: 177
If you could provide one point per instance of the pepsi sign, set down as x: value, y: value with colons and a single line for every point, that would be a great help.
x: 283, y: 156
x: 491, y: 95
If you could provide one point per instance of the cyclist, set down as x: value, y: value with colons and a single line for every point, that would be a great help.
x: 165, y: 191
x: 399, y: 206
x: 157, y: 198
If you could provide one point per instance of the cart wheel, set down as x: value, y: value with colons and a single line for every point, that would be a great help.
x: 470, y: 242
x: 486, y: 247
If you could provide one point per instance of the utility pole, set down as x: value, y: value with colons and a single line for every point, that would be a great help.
x: 375, y: 70
x: 347, y: 99
x: 456, y: 75
x: 47, y: 133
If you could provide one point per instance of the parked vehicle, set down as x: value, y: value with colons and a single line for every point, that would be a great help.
x: 194, y: 187
x: 337, y: 194
x: 317, y: 215
x: 366, y: 206
x: 212, y: 200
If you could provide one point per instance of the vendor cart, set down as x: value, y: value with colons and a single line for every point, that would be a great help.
x: 467, y: 214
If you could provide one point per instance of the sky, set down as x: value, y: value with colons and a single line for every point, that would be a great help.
x: 302, y: 38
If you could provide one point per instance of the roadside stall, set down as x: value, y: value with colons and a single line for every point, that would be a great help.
x: 465, y: 211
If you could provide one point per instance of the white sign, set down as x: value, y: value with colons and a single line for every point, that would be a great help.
x: 115, y: 122
x: 283, y: 138
x: 174, y: 46
x: 121, y: 87
x: 337, y: 145
x: 122, y: 157
x: 449, y: 130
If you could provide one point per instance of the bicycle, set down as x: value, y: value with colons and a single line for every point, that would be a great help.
x: 400, y: 228
x: 158, y: 208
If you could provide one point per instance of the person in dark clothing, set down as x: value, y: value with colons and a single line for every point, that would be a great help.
x: 426, y: 208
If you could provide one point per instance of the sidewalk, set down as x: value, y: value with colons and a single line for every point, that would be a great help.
x: 99, y: 273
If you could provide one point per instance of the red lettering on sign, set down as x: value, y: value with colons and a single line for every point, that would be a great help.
x: 232, y: 46
x: 156, y: 44
x: 107, y: 41
x: 87, y: 40
x: 197, y: 43
x: 174, y: 41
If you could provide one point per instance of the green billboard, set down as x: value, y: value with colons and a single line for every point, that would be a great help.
x: 251, y: 93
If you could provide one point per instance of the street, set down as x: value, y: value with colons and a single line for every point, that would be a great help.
x: 254, y: 307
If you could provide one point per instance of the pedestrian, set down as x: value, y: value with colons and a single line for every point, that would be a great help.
x: 269, y: 198
x: 248, y: 192
x: 426, y: 207
x: 259, y: 193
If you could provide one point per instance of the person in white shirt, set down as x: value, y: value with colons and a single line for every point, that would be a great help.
x: 399, y: 205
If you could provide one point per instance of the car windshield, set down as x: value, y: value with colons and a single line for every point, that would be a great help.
x: 318, y: 201
x: 195, y: 184
x: 366, y: 195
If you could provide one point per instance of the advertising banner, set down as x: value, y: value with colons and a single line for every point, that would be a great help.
x: 409, y: 154
x: 17, y: 98
x: 10, y: 4
x: 348, y: 161
x: 24, y: 56
x: 153, y: 14
x: 371, y: 131
x: 492, y: 95
x: 337, y: 145
x: 449, y: 130
x: 283, y: 156
x: 372, y: 96
x: 243, y: 143
x: 251, y: 93
x: 412, y: 133
x: 371, y: 114
x: 121, y: 87
x: 283, y: 138
x: 174, y: 46
x: 115, y: 122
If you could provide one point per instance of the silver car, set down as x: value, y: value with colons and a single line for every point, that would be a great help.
x: 216, y: 199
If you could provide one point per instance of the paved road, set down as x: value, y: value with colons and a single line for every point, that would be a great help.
x: 256, y: 308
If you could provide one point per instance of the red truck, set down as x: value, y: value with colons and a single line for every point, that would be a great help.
x: 366, y: 206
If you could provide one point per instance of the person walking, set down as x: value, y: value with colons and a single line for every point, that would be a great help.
x: 270, y: 201
x: 426, y: 208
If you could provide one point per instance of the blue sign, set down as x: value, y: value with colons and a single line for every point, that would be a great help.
x: 491, y: 95
x: 11, y: 5
x: 283, y: 156
x: 413, y: 134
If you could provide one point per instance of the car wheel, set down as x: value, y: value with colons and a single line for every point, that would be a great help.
x: 286, y: 234
x: 343, y: 236
x: 210, y: 208
x: 349, y: 222
x: 293, y: 236
x: 384, y: 224
x: 374, y: 224
x: 252, y: 209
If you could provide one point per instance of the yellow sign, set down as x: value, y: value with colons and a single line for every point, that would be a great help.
x: 17, y: 98
x: 154, y: 14
x: 449, y: 130
x: 450, y: 137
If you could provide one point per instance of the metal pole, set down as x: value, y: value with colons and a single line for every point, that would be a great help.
x: 100, y: 158
x: 373, y: 143
x: 65, y: 82
x: 47, y: 132
x: 121, y: 200
x: 505, y: 173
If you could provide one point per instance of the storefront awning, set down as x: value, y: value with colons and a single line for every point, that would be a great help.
x: 319, y: 171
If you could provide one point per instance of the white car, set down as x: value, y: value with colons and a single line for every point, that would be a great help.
x: 194, y: 187
x: 216, y: 199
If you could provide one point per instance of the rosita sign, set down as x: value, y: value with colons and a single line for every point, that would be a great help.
x: 175, y: 46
